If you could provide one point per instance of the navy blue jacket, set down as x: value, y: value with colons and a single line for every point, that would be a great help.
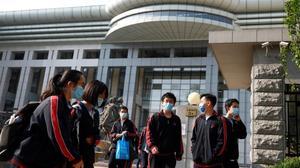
x: 49, y: 143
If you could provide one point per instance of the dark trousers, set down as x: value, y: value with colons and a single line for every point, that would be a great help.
x: 231, y: 164
x: 144, y: 159
x: 159, y: 161
x: 115, y: 163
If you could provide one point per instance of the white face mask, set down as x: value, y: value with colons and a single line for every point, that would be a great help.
x: 123, y: 116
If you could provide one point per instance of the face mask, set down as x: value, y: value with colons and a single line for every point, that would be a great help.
x: 168, y: 106
x: 123, y: 116
x: 100, y: 101
x: 202, y: 108
x: 77, y: 93
x: 235, y: 111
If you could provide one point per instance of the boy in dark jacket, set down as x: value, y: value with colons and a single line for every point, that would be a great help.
x: 208, y: 144
x: 163, y: 135
x: 238, y: 131
x: 122, y: 127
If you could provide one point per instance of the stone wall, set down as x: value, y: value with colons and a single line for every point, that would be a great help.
x: 267, y: 114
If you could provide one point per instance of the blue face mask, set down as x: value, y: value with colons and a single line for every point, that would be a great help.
x: 100, y: 101
x: 168, y: 106
x: 235, y: 111
x: 77, y: 93
x: 202, y: 108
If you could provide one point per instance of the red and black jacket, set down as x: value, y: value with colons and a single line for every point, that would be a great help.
x: 49, y: 143
x: 209, y: 140
x: 165, y: 134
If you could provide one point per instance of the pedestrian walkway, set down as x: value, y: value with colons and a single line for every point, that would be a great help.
x: 101, y: 164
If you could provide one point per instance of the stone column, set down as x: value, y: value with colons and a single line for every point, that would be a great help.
x: 267, y: 115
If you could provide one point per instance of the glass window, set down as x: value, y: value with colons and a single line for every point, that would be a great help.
x: 90, y: 73
x: 118, y: 53
x: 40, y: 55
x: 91, y: 54
x: 116, y: 78
x: 154, y: 53
x: 190, y: 52
x: 19, y: 55
x: 66, y: 54
x: 35, y: 84
x: 13, y: 77
x: 60, y: 70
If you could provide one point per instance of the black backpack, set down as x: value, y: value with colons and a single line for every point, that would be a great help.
x: 14, y: 131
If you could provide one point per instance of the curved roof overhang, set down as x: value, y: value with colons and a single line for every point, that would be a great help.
x: 168, y: 22
x: 55, y: 15
x: 236, y: 6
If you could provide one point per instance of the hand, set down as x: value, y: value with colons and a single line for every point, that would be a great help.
x: 178, y: 158
x: 237, y: 117
x: 154, y: 150
x: 78, y: 164
x: 124, y: 132
x: 139, y: 152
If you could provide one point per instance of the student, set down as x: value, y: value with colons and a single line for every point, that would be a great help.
x: 122, y: 127
x: 238, y: 131
x: 208, y: 145
x: 143, y: 149
x: 49, y: 143
x: 163, y: 135
x: 94, y: 93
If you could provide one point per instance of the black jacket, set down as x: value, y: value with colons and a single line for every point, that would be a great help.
x: 118, y: 128
x: 236, y: 130
x: 165, y: 134
x: 88, y: 128
x: 208, y: 140
x: 49, y: 143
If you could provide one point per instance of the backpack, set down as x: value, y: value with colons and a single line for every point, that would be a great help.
x: 107, y: 118
x: 14, y: 131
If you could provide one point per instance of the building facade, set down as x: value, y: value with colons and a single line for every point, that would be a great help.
x: 144, y: 48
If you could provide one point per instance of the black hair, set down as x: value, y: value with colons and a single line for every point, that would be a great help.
x: 229, y: 102
x: 168, y: 95
x: 210, y: 97
x: 92, y: 90
x: 58, y: 82
x: 122, y: 107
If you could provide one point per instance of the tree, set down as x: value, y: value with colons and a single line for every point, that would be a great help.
x: 292, y: 20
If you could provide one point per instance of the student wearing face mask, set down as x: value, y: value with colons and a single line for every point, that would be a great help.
x: 238, y: 131
x: 209, y: 135
x: 163, y: 135
x: 122, y: 127
x: 88, y: 124
x: 49, y: 144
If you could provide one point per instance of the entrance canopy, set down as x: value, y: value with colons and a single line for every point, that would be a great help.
x: 234, y: 52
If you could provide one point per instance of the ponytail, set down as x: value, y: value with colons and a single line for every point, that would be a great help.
x: 58, y: 82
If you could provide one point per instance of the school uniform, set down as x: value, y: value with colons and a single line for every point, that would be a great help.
x: 49, y: 143
x: 165, y: 134
x: 118, y: 128
x: 144, y: 150
x: 237, y: 130
x: 208, y: 141
x: 88, y: 128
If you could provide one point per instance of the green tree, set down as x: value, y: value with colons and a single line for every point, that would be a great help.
x: 292, y: 20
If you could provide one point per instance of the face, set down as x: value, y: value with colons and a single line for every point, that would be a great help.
x: 123, y: 114
x: 71, y: 86
x: 234, y: 105
x: 168, y: 104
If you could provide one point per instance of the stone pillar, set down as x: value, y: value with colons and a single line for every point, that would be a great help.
x: 267, y: 115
